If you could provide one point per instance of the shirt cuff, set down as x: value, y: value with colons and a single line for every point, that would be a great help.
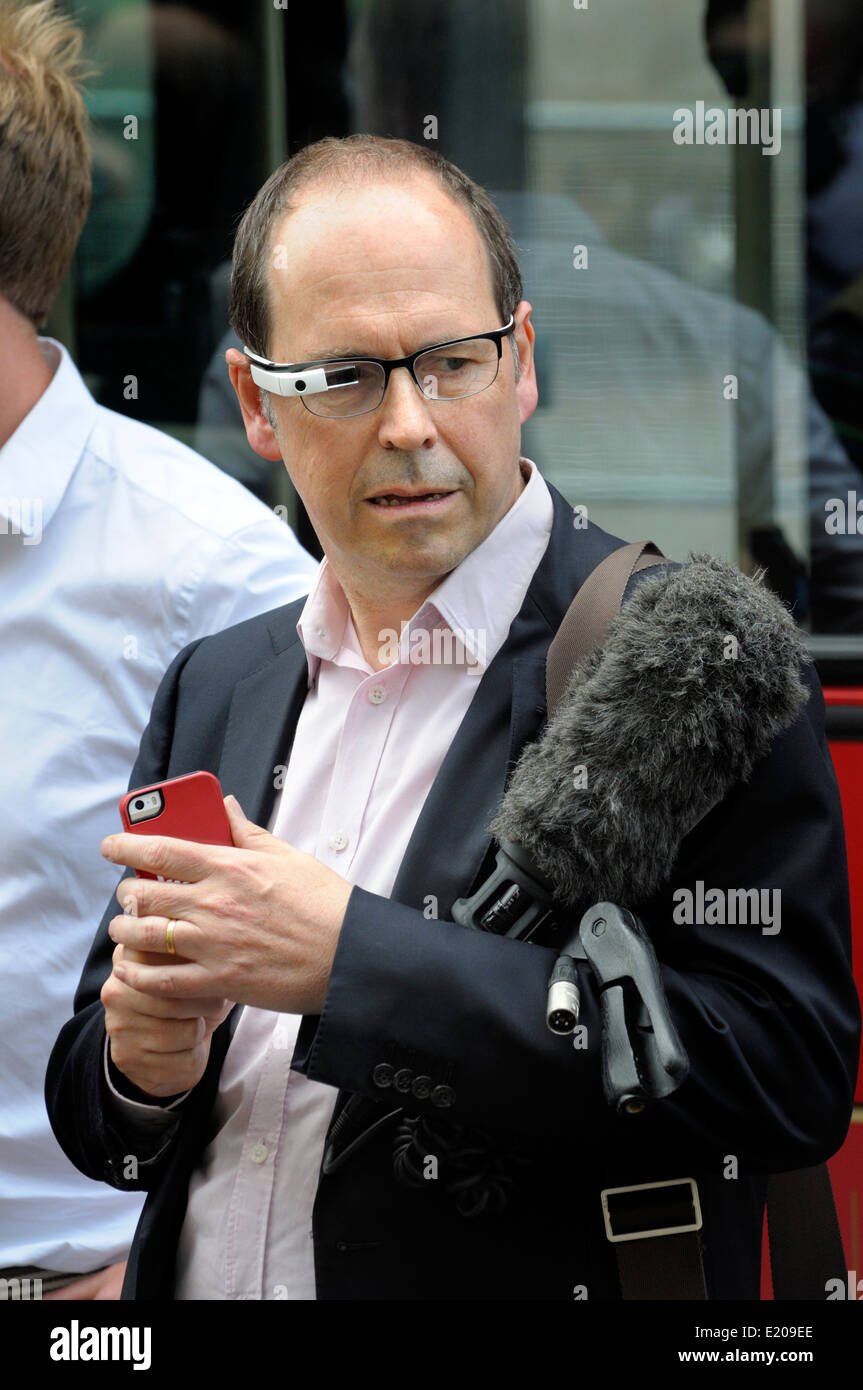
x: 149, y: 1110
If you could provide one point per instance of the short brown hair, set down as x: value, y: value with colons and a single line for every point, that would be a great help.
x: 364, y: 157
x: 44, y: 153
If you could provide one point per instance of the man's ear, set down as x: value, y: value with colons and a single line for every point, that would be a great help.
x: 259, y: 431
x: 523, y: 339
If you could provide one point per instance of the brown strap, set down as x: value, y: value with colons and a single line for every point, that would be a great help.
x: 587, y: 618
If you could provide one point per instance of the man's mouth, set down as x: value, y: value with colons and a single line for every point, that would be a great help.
x: 400, y: 501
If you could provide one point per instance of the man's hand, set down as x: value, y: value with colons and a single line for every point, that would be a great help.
x: 161, y: 1045
x: 257, y: 923
x: 103, y: 1285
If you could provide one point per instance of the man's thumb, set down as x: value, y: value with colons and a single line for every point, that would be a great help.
x: 245, y: 834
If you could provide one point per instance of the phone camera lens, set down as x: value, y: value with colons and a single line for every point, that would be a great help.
x: 139, y: 805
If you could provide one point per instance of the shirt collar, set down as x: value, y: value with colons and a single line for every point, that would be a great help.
x: 478, y: 600
x: 38, y: 460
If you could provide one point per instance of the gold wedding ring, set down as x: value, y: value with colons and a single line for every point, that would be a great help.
x: 169, y: 939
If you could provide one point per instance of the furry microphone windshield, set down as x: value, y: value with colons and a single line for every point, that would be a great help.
x: 697, y: 675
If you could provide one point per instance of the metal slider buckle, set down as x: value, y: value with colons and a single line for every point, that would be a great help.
x: 627, y: 1215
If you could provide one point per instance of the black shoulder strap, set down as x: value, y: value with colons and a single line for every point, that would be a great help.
x: 805, y: 1241
x: 803, y: 1230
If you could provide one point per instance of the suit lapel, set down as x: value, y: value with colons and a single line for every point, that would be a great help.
x: 265, y: 708
x: 263, y: 717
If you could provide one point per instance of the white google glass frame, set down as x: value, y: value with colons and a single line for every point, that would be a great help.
x: 295, y: 382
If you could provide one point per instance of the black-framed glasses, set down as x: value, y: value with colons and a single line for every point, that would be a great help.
x: 342, y: 387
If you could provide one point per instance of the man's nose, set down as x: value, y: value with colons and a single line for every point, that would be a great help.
x: 405, y: 421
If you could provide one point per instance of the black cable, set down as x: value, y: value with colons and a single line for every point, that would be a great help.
x: 467, y: 1165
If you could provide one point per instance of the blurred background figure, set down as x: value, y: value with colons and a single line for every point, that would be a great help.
x: 118, y: 546
x: 739, y: 35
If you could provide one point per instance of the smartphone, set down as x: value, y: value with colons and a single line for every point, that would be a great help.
x: 184, y: 808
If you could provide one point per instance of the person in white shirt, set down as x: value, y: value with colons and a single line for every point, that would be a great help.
x: 118, y: 546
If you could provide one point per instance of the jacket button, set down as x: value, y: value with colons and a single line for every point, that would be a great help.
x: 383, y: 1074
x: 402, y: 1079
x: 443, y: 1096
x: 422, y: 1087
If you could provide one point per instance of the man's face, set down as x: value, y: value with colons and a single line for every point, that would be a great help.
x: 383, y: 271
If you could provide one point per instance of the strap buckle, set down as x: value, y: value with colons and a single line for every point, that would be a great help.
x: 659, y: 1209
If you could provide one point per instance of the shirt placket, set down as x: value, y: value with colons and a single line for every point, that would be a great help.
x: 248, y: 1215
x: 366, y: 729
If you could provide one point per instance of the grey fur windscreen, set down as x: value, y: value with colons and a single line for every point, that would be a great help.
x: 698, y: 674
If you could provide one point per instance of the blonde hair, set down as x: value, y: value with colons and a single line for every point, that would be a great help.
x: 44, y: 153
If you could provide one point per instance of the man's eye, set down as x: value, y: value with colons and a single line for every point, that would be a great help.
x: 450, y: 364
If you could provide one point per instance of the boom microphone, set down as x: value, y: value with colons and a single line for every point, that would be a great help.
x: 698, y: 674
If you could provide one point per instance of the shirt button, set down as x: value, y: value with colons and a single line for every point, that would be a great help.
x: 402, y: 1079
x: 377, y: 694
x: 383, y: 1074
x: 338, y: 840
x: 259, y: 1153
x: 443, y: 1096
x: 421, y: 1087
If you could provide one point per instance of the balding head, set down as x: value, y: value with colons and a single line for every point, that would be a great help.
x: 348, y: 164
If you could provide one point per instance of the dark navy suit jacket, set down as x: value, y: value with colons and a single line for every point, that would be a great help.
x: 770, y: 1023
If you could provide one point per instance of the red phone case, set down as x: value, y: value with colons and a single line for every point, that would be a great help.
x: 193, y: 810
